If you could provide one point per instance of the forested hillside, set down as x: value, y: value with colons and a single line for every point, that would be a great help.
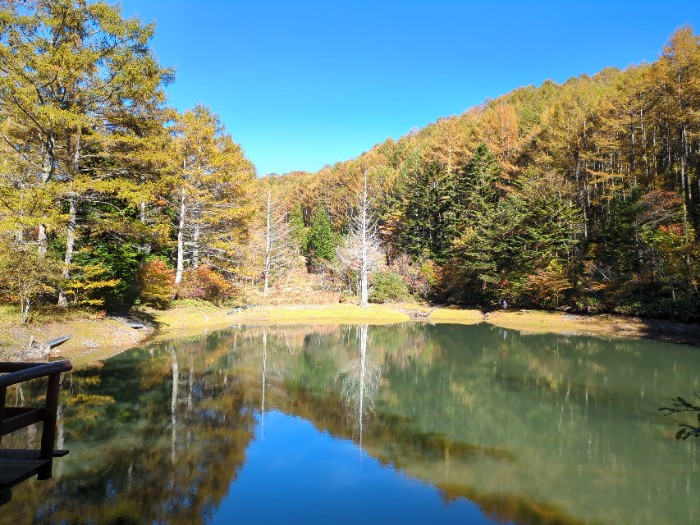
x: 583, y: 195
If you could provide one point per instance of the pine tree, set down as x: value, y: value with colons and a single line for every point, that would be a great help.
x: 298, y: 230
x: 322, y: 243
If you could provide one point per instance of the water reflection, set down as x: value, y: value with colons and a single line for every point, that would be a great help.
x: 536, y: 429
x: 360, y: 382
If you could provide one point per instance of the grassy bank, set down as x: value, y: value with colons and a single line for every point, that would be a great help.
x: 190, y: 320
x: 541, y: 322
x: 95, y: 338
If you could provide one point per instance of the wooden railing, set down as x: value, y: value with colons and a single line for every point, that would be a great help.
x: 25, y: 463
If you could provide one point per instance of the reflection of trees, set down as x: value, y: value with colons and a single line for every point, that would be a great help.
x: 516, y: 424
x: 571, y: 409
x: 165, y: 452
x: 264, y: 378
x: 360, y: 381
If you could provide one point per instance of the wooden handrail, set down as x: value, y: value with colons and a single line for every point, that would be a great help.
x: 20, y: 372
x: 17, y: 418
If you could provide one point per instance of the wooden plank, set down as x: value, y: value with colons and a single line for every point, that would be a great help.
x: 16, y: 411
x: 9, y: 454
x: 48, y: 431
x: 11, y: 366
x: 16, y: 419
x: 19, y: 465
x: 18, y: 471
x: 3, y: 398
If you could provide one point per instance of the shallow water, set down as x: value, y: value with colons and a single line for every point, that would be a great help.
x: 408, y: 423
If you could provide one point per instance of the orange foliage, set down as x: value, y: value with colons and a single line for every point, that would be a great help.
x: 205, y: 283
x: 156, y: 280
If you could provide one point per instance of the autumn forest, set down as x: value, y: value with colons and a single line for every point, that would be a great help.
x: 582, y: 196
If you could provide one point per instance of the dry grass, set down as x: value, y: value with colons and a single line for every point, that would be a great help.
x: 533, y: 321
x: 457, y: 316
x: 184, y: 316
x: 189, y: 320
x: 186, y: 320
x: 324, y: 313
x: 300, y: 287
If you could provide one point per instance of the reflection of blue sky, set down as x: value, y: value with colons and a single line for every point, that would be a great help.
x: 296, y: 474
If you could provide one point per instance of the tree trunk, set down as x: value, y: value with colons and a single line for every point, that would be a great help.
x: 268, y: 255
x: 46, y: 176
x: 195, y: 246
x: 173, y: 407
x: 25, y: 307
x: 264, y: 384
x: 70, y: 244
x: 364, y: 293
x: 42, y: 241
x: 180, y: 240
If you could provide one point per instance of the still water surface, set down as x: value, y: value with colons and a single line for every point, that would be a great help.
x: 385, y: 424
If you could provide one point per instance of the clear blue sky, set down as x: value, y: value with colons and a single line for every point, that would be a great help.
x: 300, y: 84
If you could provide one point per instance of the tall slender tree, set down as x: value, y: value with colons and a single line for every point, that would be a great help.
x: 78, y: 86
x: 211, y: 185
x: 279, y: 249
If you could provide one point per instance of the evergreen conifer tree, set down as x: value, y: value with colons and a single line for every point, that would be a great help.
x: 321, y: 243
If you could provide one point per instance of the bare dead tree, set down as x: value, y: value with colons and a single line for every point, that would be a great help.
x: 279, y: 249
x: 362, y: 251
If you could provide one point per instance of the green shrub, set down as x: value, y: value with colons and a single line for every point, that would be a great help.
x: 589, y: 304
x: 388, y: 287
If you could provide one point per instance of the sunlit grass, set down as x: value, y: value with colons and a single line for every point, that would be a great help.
x: 535, y: 321
x: 183, y: 321
x: 182, y: 317
x: 458, y: 316
x: 345, y: 313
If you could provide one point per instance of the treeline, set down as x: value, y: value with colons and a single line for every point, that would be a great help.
x: 583, y: 195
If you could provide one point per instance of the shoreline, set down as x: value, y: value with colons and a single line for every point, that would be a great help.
x: 184, y: 321
x: 95, y: 339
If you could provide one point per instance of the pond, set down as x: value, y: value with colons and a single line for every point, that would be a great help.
x: 408, y: 423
